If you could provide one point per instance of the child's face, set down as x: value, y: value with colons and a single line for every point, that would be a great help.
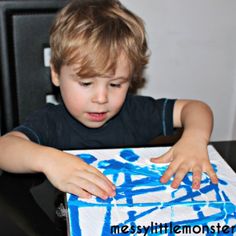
x: 93, y: 101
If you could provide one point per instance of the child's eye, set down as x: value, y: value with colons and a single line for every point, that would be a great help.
x: 115, y: 85
x: 85, y: 84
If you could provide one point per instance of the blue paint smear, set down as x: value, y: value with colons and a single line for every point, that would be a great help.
x: 88, y: 158
x: 129, y: 155
x: 149, y: 181
x: 107, y: 221
x: 75, y: 226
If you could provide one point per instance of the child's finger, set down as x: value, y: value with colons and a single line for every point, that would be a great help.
x: 165, y: 158
x: 74, y: 189
x: 211, y: 173
x: 98, y: 181
x: 91, y: 187
x: 101, y: 175
x: 197, y: 176
x: 180, y: 173
x: 168, y: 174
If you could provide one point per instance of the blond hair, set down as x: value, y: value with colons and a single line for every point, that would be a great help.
x: 93, y: 33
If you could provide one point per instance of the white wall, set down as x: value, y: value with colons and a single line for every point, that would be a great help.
x: 193, y: 46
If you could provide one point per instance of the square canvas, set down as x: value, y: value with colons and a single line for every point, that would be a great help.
x: 144, y: 206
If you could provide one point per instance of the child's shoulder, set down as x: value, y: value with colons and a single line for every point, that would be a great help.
x: 48, y: 110
x: 133, y: 99
x: 51, y: 107
x: 140, y: 103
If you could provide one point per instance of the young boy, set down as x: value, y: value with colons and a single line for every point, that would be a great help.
x: 98, y: 52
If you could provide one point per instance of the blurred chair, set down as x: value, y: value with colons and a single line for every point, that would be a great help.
x: 24, y: 56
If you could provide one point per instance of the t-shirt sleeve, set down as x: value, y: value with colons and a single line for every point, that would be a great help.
x: 165, y: 108
x: 35, y: 127
x: 150, y: 117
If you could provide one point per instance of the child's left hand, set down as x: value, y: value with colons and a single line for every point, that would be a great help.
x: 187, y: 155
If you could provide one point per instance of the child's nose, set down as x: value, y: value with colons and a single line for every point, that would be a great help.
x: 100, y: 96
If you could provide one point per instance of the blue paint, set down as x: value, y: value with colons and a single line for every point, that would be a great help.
x: 107, y: 221
x: 143, y: 180
x: 115, y: 167
x: 75, y: 225
x: 161, y: 205
x: 88, y: 158
x: 73, y: 198
x: 129, y: 155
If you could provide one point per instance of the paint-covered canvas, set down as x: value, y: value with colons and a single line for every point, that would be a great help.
x: 144, y: 206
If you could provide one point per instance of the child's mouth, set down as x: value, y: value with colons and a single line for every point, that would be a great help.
x: 97, y: 116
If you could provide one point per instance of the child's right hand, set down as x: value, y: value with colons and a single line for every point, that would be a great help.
x: 65, y: 171
x: 71, y: 174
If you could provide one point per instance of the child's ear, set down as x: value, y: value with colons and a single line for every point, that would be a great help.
x: 54, y: 76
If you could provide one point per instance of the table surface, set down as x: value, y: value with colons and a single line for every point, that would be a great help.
x: 27, y: 202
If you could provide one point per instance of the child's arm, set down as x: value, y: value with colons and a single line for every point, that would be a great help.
x: 65, y: 171
x: 190, y: 152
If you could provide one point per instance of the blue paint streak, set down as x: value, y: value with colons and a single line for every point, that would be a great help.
x: 161, y: 205
x: 107, y: 220
x: 88, y: 158
x: 73, y: 198
x: 75, y: 226
x: 129, y: 155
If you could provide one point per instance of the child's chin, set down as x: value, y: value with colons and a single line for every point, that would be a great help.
x: 94, y: 125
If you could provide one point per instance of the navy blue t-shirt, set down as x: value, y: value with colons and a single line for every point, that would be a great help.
x: 139, y: 121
